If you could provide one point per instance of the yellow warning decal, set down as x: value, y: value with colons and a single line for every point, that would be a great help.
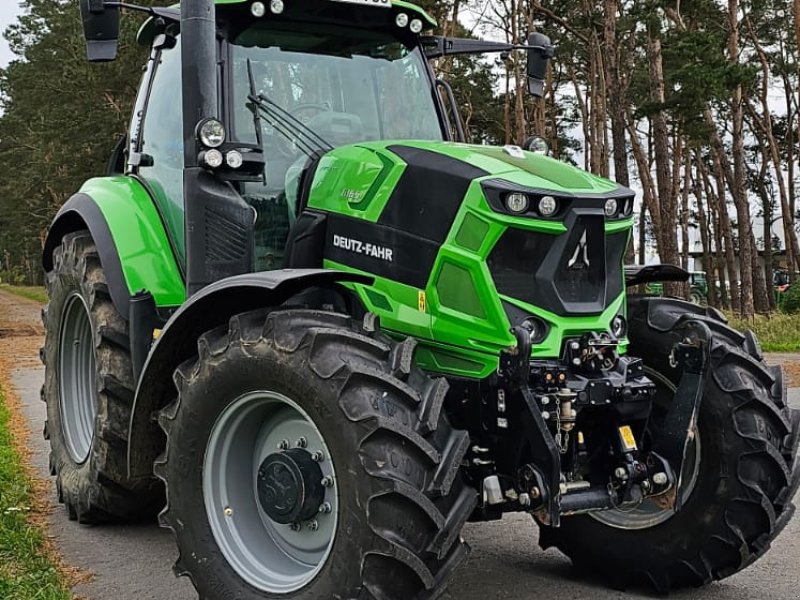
x: 628, y: 441
x: 422, y: 301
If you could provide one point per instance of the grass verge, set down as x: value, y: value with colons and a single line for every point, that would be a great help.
x: 38, y: 294
x: 778, y: 332
x: 26, y: 572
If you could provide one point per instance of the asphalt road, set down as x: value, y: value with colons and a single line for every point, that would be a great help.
x: 134, y: 563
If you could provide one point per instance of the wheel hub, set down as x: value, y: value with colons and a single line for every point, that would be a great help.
x: 289, y: 486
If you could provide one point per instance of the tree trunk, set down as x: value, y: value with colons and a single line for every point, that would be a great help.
x: 705, y: 239
x: 668, y: 248
x: 724, y: 231
x: 738, y: 184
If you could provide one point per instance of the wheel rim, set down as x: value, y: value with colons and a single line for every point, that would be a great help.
x: 648, y: 514
x: 77, y: 390
x: 251, y: 433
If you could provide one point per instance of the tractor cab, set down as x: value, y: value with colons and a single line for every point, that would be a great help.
x: 296, y: 80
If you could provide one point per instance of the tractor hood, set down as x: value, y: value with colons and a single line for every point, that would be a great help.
x: 362, y: 179
x: 524, y: 168
x: 436, y: 219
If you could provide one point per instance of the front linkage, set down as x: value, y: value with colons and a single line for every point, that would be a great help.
x: 582, y: 421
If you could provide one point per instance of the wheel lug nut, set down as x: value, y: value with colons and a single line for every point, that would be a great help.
x: 301, y: 443
x: 295, y: 526
x: 313, y: 525
x: 325, y: 507
x: 327, y: 482
x: 660, y: 478
x: 228, y: 511
x: 318, y: 456
x: 283, y: 445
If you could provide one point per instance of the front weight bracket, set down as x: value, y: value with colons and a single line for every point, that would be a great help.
x: 691, y: 355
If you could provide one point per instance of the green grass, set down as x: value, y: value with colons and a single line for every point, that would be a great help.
x: 25, y: 571
x: 777, y: 333
x: 30, y: 292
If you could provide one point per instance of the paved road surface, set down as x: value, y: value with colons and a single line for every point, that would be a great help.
x: 134, y: 563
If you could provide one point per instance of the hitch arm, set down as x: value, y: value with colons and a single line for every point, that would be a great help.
x: 680, y: 425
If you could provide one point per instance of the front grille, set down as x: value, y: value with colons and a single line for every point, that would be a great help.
x: 579, y: 272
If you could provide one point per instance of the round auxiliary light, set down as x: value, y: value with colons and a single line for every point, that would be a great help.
x: 401, y: 20
x: 416, y: 26
x: 276, y: 7
x: 517, y: 203
x: 548, y: 206
x: 538, y: 145
x: 212, y: 133
x: 619, y: 327
x: 258, y: 10
x: 213, y: 158
x: 234, y: 159
x: 610, y: 208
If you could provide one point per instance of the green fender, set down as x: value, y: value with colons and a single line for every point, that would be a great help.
x: 130, y: 237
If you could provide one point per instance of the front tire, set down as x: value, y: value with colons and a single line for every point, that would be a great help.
x: 395, y: 496
x: 741, y: 497
x: 89, y: 392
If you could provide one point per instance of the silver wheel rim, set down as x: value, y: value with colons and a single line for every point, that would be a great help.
x: 270, y: 556
x: 76, y: 375
x: 648, y: 514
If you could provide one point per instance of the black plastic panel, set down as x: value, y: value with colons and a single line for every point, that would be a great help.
x: 579, y: 272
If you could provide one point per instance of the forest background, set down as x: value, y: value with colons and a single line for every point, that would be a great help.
x: 695, y: 104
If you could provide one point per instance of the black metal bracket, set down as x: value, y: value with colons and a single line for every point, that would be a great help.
x: 515, y: 363
x: 691, y: 354
x: 548, y: 458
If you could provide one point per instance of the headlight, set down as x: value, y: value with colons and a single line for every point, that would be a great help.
x: 213, y: 158
x: 276, y: 6
x: 517, y: 203
x: 257, y: 9
x: 611, y: 207
x: 619, y: 327
x: 548, y: 206
x: 211, y: 133
x: 401, y: 20
x: 234, y: 159
x: 416, y: 26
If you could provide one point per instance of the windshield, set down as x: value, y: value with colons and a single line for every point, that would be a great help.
x: 344, y: 85
x: 370, y: 85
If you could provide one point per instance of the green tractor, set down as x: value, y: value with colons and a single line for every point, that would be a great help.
x: 315, y: 331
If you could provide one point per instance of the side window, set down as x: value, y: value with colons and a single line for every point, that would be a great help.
x: 161, y: 140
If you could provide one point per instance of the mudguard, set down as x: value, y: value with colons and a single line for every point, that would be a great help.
x: 212, y: 306
x: 130, y: 238
x: 639, y: 274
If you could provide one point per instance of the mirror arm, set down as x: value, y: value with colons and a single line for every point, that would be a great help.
x: 155, y: 11
x: 437, y: 47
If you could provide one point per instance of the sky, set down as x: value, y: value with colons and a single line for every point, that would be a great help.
x: 9, y: 10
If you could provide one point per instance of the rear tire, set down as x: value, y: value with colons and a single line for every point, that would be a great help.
x: 89, y: 391
x: 742, y: 495
x: 401, y: 499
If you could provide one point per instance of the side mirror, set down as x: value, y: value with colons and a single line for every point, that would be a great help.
x: 101, y: 30
x: 538, y: 57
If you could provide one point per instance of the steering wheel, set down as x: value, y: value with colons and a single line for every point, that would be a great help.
x: 303, y: 113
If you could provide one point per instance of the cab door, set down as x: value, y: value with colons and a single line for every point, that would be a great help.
x: 156, y: 141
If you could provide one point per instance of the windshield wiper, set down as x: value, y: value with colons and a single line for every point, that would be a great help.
x: 254, y: 108
x: 285, y: 122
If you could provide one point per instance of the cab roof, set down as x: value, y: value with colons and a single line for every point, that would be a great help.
x: 147, y: 31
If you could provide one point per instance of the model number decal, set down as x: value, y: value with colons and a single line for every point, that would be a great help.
x: 363, y: 248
